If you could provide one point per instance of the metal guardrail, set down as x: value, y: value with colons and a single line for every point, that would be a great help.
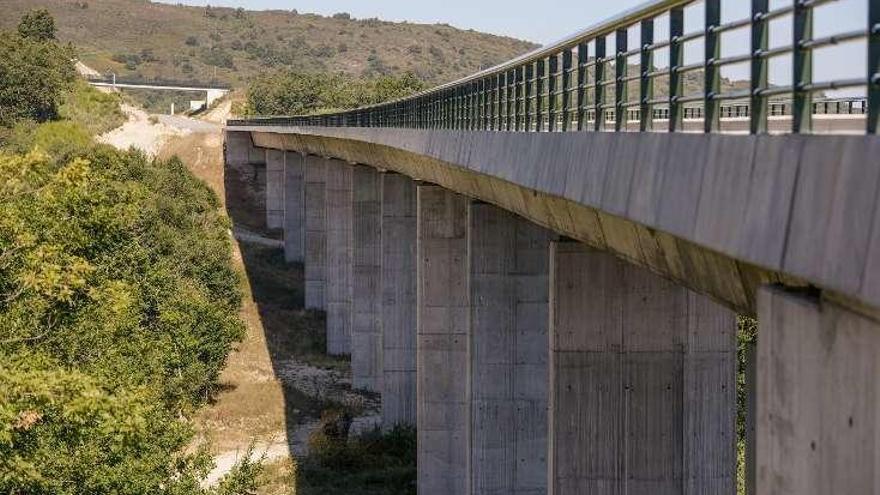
x: 158, y: 82
x: 579, y: 84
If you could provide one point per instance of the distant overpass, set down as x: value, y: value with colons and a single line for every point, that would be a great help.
x: 212, y: 93
x: 540, y: 265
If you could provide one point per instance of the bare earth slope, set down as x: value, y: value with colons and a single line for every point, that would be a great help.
x: 140, y: 39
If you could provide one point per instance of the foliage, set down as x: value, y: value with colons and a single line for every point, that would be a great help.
x: 292, y: 93
x: 377, y: 463
x: 118, y: 306
x: 95, y: 111
x: 33, y: 76
x: 37, y: 25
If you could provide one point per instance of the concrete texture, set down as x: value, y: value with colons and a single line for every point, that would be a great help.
x: 366, y: 336
x: 818, y: 407
x: 398, y: 300
x: 294, y: 208
x: 315, y: 174
x: 642, y: 381
x: 708, y: 211
x: 338, y: 269
x: 442, y: 326
x: 274, y: 189
x: 509, y: 258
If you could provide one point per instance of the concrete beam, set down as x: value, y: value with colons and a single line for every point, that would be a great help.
x: 294, y: 208
x: 398, y: 299
x: 338, y: 269
x: 442, y: 325
x: 274, y: 189
x: 366, y: 337
x: 509, y: 292
x: 642, y: 386
x: 818, y: 407
x: 315, y: 175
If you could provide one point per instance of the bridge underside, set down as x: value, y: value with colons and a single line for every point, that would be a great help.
x: 719, y: 214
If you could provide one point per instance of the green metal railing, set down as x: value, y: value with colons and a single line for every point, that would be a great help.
x: 596, y: 81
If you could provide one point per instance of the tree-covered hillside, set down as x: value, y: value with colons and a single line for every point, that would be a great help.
x: 140, y: 39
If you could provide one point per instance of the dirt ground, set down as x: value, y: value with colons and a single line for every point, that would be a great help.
x: 278, y: 381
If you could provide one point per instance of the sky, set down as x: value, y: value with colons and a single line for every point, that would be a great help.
x: 546, y: 21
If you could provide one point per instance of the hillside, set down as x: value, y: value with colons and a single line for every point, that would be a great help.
x: 140, y: 39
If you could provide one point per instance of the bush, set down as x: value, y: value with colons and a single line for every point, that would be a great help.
x: 192, y: 41
x: 37, y: 25
x: 95, y: 111
x: 33, y: 77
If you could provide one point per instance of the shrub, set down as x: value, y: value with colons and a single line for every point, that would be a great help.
x: 38, y: 25
x: 192, y: 41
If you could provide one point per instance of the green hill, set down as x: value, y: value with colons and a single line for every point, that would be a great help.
x: 140, y: 39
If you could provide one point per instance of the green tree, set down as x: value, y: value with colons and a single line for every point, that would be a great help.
x: 33, y: 78
x: 38, y: 25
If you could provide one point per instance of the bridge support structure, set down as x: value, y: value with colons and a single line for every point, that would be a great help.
x: 642, y: 381
x: 398, y: 300
x: 366, y: 337
x: 315, y: 231
x: 508, y: 354
x: 294, y: 207
x: 818, y: 403
x: 442, y: 342
x: 274, y: 189
x: 338, y: 266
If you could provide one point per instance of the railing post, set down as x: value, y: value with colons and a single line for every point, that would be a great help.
x: 620, y: 70
x: 712, y: 74
x: 519, y: 98
x: 566, y: 89
x: 873, y: 104
x: 502, y: 88
x: 583, y: 52
x: 510, y: 78
x: 646, y: 83
x: 552, y: 89
x: 539, y: 96
x: 599, y: 88
x: 758, y: 104
x: 802, y: 107
x: 676, y: 59
x: 529, y: 76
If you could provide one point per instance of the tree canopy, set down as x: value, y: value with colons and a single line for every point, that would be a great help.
x: 37, y: 25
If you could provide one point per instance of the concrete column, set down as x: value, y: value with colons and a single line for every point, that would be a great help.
x: 818, y: 418
x: 442, y: 325
x: 398, y: 293
x: 338, y: 269
x: 274, y: 189
x: 248, y: 162
x: 294, y: 208
x: 509, y: 259
x: 315, y: 174
x: 642, y: 381
x: 366, y: 339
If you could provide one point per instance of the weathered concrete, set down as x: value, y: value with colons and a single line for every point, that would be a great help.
x: 818, y: 425
x: 274, y: 189
x: 708, y: 211
x: 366, y: 337
x: 398, y: 298
x: 509, y: 258
x: 294, y: 208
x: 246, y: 164
x: 338, y: 269
x: 642, y: 381
x: 442, y: 323
x: 315, y: 174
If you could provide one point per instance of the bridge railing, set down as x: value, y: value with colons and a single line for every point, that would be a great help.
x: 644, y: 71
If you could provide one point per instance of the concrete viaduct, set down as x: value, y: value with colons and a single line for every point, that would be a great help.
x: 551, y: 300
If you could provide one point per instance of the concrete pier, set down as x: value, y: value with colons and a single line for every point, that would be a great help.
x: 366, y: 337
x: 338, y: 270
x: 398, y: 300
x: 274, y: 189
x: 509, y: 259
x: 294, y: 208
x: 315, y: 174
x: 818, y: 407
x: 442, y: 322
x: 642, y: 381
